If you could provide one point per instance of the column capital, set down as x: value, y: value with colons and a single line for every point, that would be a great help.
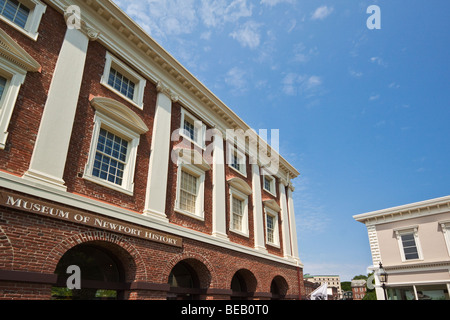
x: 163, y: 88
x: 73, y: 20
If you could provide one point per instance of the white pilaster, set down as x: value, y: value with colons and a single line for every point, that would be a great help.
x: 258, y: 214
x: 52, y: 143
x: 285, y: 222
x: 292, y: 224
x: 218, y: 192
x: 155, y: 201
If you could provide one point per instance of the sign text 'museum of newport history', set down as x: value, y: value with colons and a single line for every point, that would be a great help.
x: 28, y: 204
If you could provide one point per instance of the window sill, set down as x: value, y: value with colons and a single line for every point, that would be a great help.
x: 241, y: 233
x: 108, y: 185
x: 134, y: 103
x: 32, y: 35
x: 189, y: 214
x: 244, y: 174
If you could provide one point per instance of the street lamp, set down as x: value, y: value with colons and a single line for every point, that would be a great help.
x: 382, y: 275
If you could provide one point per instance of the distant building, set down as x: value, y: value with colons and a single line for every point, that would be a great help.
x: 413, y: 244
x: 309, y: 288
x: 333, y: 282
x: 358, y: 289
x: 347, y: 295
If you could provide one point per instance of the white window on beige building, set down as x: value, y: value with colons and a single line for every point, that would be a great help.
x: 408, y: 241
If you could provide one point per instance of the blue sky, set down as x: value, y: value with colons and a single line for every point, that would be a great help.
x: 363, y: 114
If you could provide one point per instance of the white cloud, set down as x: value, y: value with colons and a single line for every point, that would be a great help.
x: 321, y: 13
x: 272, y: 3
x: 215, y: 13
x: 379, y: 61
x: 301, y: 54
x: 294, y: 84
x: 248, y: 34
x: 161, y: 18
x: 236, y: 78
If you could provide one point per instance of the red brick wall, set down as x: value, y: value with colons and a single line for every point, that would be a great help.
x: 25, y: 120
x: 82, y: 134
x: 176, y: 217
x: 39, y: 243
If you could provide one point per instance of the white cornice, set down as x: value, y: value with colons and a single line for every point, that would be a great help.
x: 120, y: 34
x: 412, y: 210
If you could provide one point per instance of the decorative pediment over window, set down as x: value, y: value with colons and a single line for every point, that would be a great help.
x: 192, y: 156
x: 12, y: 51
x: 120, y: 113
x: 272, y: 204
x: 240, y: 185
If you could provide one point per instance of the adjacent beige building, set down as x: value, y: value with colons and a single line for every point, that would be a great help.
x: 413, y: 244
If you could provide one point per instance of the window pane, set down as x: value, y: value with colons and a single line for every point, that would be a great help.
x: 121, y: 83
x: 237, y: 213
x: 15, y: 12
x: 188, y: 192
x: 109, y: 163
x: 409, y: 246
x: 2, y: 86
x: 270, y: 228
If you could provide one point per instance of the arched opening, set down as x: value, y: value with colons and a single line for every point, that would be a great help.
x: 243, y: 285
x: 278, y: 288
x: 188, y: 280
x: 101, y: 274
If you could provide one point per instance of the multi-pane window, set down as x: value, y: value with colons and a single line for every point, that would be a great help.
x: 190, y: 129
x: 123, y: 80
x: 15, y: 12
x: 3, y: 82
x: 409, y: 246
x: 110, y: 157
x: 121, y: 83
x: 270, y: 226
x: 188, y: 192
x: 238, y: 213
x: 267, y: 183
x: 235, y: 162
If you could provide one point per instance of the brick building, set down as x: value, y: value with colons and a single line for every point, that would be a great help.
x: 358, y: 289
x: 96, y: 173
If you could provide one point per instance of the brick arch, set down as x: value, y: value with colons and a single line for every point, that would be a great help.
x: 248, y: 276
x: 133, y: 263
x: 282, y: 284
x: 7, y: 249
x: 205, y: 270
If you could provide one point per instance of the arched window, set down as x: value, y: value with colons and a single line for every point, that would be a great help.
x: 184, y: 282
x: 101, y: 274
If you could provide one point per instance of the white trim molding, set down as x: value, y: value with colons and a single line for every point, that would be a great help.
x: 37, y: 9
x: 118, y: 119
x: 15, y: 62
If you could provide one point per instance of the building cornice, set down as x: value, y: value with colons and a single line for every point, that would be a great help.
x: 119, y: 33
x: 408, y: 211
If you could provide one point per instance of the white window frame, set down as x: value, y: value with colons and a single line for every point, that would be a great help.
x: 273, y: 184
x: 199, y: 202
x: 404, y: 231
x: 276, y: 231
x: 102, y: 121
x: 198, y: 125
x: 235, y: 193
x: 445, y: 227
x: 37, y: 9
x: 15, y: 77
x: 242, y: 159
x: 139, y: 81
